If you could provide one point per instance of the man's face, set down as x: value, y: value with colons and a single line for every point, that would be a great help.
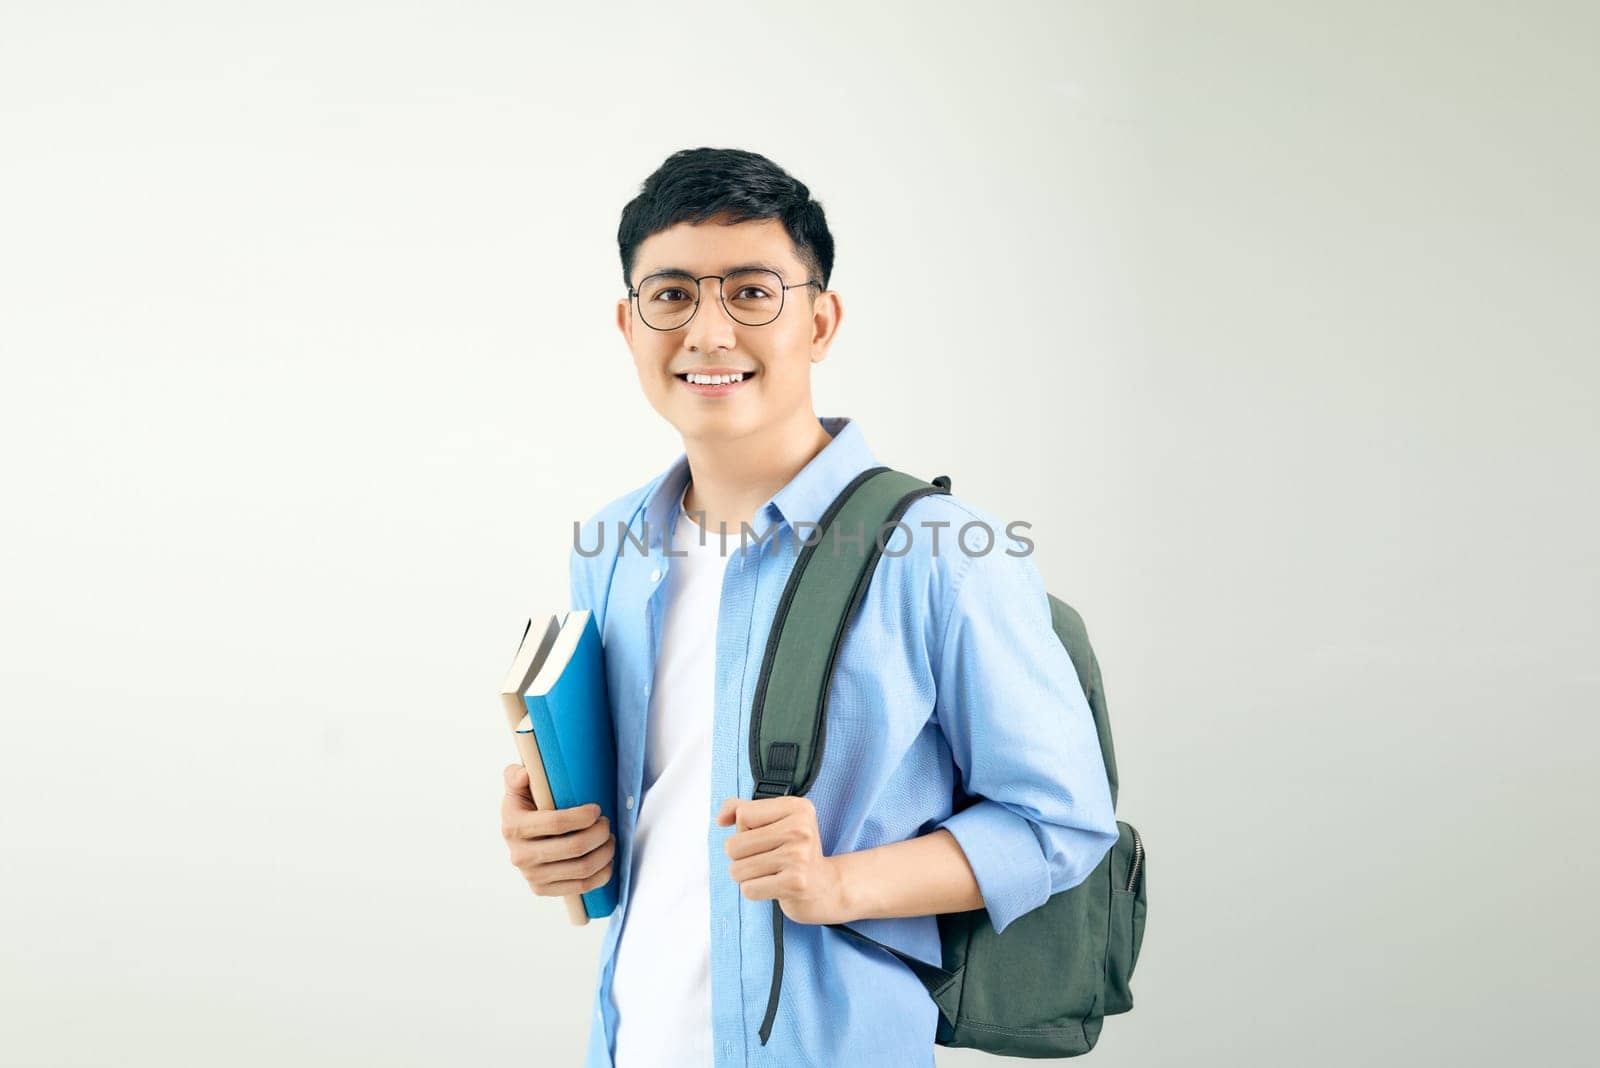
x: 776, y: 357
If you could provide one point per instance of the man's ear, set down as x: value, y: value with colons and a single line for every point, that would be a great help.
x: 825, y: 318
x: 625, y: 321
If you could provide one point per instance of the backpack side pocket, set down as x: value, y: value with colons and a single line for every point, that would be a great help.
x: 1125, y: 934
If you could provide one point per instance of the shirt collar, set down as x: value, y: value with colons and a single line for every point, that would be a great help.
x: 804, y: 499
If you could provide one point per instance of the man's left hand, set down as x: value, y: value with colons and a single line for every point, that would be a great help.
x: 777, y: 853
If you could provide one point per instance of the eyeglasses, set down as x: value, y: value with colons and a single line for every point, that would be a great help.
x: 668, y: 300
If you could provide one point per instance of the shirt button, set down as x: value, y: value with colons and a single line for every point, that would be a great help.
x: 655, y: 575
x: 630, y: 802
x: 647, y: 689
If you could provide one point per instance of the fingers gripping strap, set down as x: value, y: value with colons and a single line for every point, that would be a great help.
x: 789, y: 710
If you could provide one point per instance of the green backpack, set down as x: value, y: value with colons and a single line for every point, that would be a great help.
x: 1044, y: 987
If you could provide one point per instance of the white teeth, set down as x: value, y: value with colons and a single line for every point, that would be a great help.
x: 715, y: 380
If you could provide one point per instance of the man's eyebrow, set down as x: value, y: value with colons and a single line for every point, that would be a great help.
x: 754, y: 266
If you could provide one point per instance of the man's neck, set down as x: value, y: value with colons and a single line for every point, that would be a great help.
x: 729, y: 480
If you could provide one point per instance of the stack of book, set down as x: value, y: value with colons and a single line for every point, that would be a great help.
x: 555, y: 702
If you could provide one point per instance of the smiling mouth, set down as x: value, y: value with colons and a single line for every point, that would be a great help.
x: 747, y: 376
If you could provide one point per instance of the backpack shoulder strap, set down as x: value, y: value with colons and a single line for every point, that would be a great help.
x: 790, y: 706
x: 829, y: 579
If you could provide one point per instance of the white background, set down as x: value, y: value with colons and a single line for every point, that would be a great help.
x: 1276, y: 321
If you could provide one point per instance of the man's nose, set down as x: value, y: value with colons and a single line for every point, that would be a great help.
x: 711, y: 327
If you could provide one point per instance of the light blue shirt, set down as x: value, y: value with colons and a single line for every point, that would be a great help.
x: 950, y: 686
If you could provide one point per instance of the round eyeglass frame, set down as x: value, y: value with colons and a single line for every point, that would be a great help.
x: 699, y: 291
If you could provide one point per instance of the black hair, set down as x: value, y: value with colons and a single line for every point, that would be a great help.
x: 697, y: 184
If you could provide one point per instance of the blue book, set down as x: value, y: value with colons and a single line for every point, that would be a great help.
x: 569, y: 716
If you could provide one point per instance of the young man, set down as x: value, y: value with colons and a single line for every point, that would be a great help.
x: 962, y: 769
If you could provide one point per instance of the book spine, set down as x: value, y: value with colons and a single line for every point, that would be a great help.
x: 549, y: 742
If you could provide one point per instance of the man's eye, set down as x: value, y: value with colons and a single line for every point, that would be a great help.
x: 752, y: 293
x: 671, y: 294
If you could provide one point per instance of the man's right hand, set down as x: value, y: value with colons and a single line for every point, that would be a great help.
x: 560, y: 851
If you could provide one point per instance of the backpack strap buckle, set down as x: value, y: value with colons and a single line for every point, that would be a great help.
x: 779, y: 778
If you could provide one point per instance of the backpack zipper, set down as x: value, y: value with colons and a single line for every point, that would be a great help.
x: 1138, y: 855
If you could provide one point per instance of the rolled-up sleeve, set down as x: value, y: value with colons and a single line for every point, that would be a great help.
x: 1021, y: 733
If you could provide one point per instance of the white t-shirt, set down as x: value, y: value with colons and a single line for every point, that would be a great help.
x: 661, y: 978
